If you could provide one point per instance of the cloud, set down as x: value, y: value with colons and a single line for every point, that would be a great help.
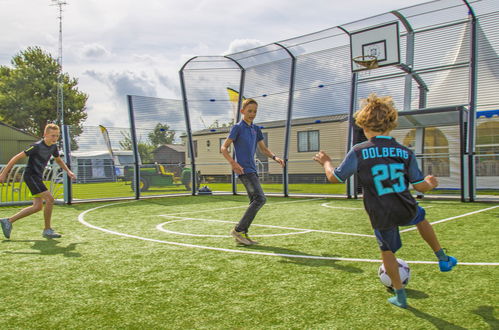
x: 125, y: 83
x: 95, y: 51
x: 239, y: 45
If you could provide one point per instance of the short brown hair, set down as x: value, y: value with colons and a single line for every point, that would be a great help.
x: 248, y: 102
x: 51, y: 127
x: 378, y: 114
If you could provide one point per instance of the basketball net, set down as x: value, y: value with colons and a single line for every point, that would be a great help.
x: 367, y: 61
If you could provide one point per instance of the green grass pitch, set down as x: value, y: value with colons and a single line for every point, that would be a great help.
x: 169, y: 263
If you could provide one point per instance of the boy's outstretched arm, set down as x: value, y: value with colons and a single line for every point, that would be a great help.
x: 266, y: 151
x: 430, y: 182
x: 238, y: 169
x: 322, y: 158
x: 63, y: 165
x: 11, y: 164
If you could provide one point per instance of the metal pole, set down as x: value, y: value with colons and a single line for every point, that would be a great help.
x: 238, y: 117
x: 351, y: 182
x: 135, y: 148
x: 472, y: 102
x: 285, y: 175
x: 188, y: 127
x: 67, y: 184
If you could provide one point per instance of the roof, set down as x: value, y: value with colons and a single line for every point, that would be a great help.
x: 18, y: 129
x: 281, y: 123
x: 175, y: 147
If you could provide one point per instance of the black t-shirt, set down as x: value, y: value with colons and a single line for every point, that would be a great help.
x: 39, y: 154
x: 385, y: 168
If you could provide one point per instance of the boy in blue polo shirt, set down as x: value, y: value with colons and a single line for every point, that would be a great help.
x: 385, y: 168
x: 246, y: 136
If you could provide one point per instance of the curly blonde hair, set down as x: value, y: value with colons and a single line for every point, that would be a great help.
x: 378, y: 114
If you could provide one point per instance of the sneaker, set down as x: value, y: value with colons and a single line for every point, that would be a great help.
x: 240, y: 237
x: 446, y: 266
x: 253, y: 242
x: 50, y: 233
x: 6, y: 227
x: 399, y: 300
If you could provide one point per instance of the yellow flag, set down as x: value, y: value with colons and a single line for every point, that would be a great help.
x: 233, y: 95
x: 105, y: 135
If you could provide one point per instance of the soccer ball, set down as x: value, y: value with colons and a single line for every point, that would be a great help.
x: 404, y: 271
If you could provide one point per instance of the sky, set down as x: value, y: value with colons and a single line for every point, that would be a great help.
x: 120, y: 47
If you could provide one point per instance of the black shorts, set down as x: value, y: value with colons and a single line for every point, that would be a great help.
x: 389, y: 240
x: 35, y: 184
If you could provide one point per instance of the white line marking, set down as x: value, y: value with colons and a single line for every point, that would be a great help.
x: 452, y: 218
x: 81, y: 219
x: 300, y: 230
x: 341, y: 207
x: 161, y: 228
x: 239, y: 207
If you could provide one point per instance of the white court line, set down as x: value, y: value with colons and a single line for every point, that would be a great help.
x: 81, y: 219
x: 301, y: 230
x: 452, y: 218
x: 341, y: 207
x: 161, y: 228
x: 238, y: 207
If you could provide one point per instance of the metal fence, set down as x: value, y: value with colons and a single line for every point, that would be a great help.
x: 307, y: 94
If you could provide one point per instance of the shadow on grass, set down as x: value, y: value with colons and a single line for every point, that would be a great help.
x: 411, y: 293
x: 437, y: 322
x: 48, y: 247
x: 487, y: 312
x: 337, y: 264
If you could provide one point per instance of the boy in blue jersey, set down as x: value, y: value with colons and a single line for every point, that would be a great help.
x: 39, y: 154
x: 246, y: 136
x: 385, y: 168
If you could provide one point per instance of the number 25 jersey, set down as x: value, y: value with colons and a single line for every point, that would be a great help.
x: 385, y: 169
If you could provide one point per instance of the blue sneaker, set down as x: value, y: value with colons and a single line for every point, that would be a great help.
x: 6, y: 227
x: 446, y: 266
x: 400, y: 299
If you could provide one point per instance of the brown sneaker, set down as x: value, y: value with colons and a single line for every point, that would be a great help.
x: 240, y: 237
x: 249, y: 239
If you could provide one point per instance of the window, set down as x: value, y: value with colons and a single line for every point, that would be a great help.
x: 308, y: 141
x: 222, y: 140
x: 487, y: 149
x: 436, y: 151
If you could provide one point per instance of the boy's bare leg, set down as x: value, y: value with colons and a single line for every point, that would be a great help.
x: 445, y: 262
x: 428, y: 234
x: 37, y: 206
x: 47, y: 211
x: 392, y: 268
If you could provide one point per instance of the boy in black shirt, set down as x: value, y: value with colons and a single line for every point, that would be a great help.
x: 385, y: 168
x: 39, y: 154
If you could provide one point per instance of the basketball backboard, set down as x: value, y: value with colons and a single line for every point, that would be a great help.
x: 379, y: 42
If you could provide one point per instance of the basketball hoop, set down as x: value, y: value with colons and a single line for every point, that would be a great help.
x: 367, y: 61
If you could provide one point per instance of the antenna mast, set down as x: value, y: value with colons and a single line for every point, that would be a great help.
x: 60, y: 94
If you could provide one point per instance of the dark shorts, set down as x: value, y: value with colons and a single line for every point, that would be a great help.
x: 389, y: 240
x: 35, y: 184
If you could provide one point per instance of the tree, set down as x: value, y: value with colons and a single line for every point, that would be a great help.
x: 28, y: 93
x: 161, y: 135
x: 217, y: 124
x: 145, y: 149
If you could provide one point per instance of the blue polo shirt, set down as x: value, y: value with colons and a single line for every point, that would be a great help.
x: 245, y: 138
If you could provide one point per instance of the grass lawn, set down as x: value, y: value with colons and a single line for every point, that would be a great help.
x: 169, y: 263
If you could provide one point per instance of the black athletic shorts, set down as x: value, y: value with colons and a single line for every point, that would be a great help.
x: 35, y: 184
